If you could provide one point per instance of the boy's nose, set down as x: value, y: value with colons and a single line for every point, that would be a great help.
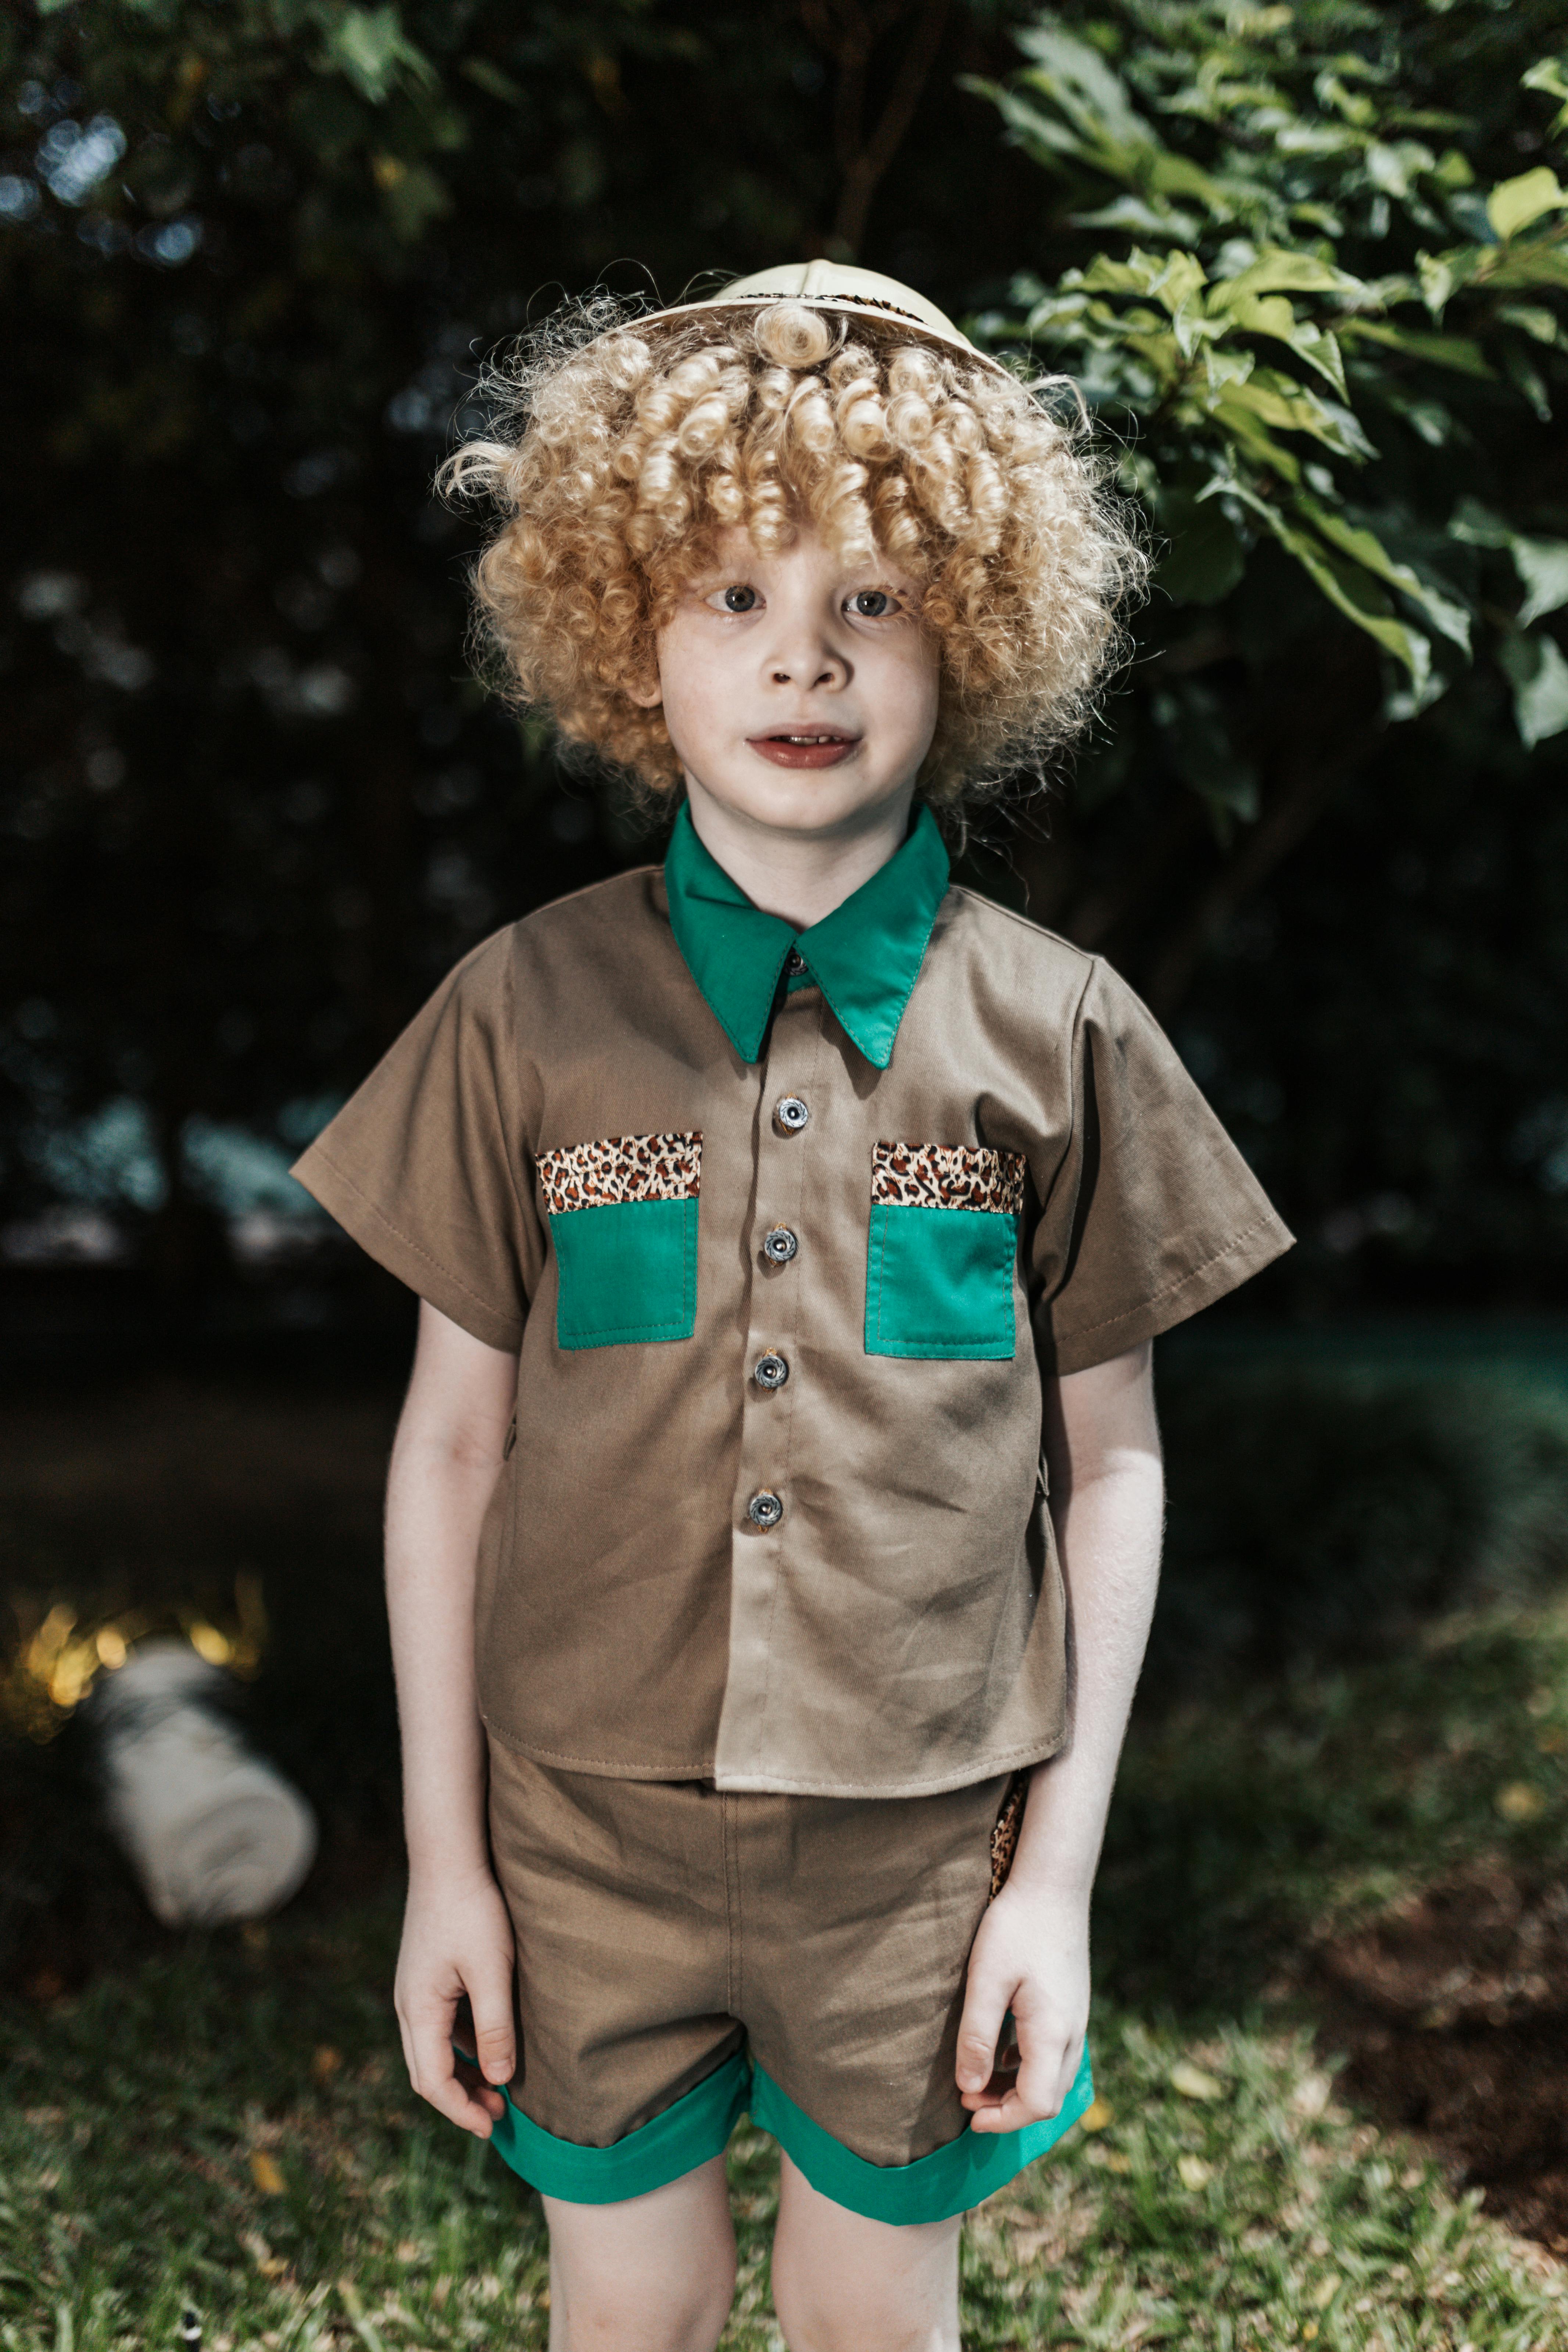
x: 806, y: 659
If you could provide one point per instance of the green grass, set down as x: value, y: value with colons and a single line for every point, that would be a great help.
x: 230, y: 2125
x: 1246, y: 1826
x: 183, y: 2139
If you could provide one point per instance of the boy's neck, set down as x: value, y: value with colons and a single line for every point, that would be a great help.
x: 799, y: 876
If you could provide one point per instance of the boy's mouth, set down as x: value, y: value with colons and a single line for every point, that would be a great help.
x: 803, y: 747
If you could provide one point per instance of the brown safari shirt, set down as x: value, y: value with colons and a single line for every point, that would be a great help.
x: 787, y: 1230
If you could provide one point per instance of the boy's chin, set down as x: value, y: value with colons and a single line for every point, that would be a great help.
x: 804, y: 803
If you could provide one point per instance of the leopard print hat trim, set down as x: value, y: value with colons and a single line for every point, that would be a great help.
x: 944, y: 1176
x: 622, y: 1167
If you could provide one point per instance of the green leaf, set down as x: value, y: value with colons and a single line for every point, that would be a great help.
x: 1278, y: 272
x: 1361, y: 600
x: 1514, y: 203
x: 1527, y: 378
x: 369, y: 47
x: 491, y: 80
x: 1477, y: 525
x: 1267, y: 455
x: 1045, y: 141
x: 1141, y: 217
x: 1456, y: 351
x: 1444, y: 613
x: 1551, y: 74
x: 1181, y: 277
x: 1441, y: 274
x: 1204, y: 559
x: 1542, y: 568
x: 1539, y: 675
x: 1081, y: 82
x: 1532, y: 321
x: 1139, y: 274
x: 1280, y: 401
x: 1271, y: 314
x: 1349, y: 586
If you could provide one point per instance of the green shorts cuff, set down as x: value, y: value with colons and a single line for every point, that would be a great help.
x: 677, y: 2140
x: 950, y: 2180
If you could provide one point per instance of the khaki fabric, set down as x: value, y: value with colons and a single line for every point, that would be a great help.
x: 660, y: 1924
x: 901, y: 1629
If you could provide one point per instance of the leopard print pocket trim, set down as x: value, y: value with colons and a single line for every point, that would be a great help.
x: 622, y: 1167
x: 1005, y: 1836
x: 944, y: 1176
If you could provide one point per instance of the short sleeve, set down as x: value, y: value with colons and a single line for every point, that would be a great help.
x: 421, y: 1165
x: 1153, y: 1212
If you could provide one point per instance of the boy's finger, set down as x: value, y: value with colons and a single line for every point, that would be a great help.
x: 495, y: 2040
x: 436, y: 2077
x: 1036, y: 2097
x: 979, y: 2030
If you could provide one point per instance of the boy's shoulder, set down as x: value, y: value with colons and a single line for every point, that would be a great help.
x: 618, y: 910
x: 1012, y: 948
x: 622, y: 903
x: 1006, y: 929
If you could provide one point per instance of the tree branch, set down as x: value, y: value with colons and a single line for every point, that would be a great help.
x: 849, y: 31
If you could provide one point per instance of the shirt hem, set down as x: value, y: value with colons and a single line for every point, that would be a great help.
x: 779, y: 1784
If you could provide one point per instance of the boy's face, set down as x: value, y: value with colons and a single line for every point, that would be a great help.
x: 799, y: 691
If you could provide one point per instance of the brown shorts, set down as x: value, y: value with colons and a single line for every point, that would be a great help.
x: 683, y: 1953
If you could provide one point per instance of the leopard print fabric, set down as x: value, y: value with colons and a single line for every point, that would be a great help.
x: 622, y: 1167
x: 1005, y: 1836
x: 942, y: 1176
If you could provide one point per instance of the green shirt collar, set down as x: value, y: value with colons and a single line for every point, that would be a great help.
x: 864, y: 956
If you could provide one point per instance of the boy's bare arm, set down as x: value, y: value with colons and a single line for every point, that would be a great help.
x: 1031, y: 1954
x: 457, y: 1937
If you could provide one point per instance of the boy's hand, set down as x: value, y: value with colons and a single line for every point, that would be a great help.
x: 1031, y: 1956
x: 456, y: 1941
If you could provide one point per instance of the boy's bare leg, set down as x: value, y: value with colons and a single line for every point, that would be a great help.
x: 654, y: 2273
x: 844, y: 2284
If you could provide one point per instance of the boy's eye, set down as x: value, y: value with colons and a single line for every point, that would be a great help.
x: 738, y: 599
x: 871, y: 604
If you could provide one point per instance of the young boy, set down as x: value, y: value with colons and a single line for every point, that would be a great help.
x: 791, y: 1229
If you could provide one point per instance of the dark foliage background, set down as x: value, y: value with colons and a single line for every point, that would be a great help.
x: 253, y: 804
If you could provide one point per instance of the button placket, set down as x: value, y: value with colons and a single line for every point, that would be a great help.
x: 773, y: 1371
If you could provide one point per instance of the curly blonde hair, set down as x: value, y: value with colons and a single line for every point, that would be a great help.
x: 623, y: 453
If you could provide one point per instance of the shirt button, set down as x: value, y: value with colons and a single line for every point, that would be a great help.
x: 770, y: 1371
x: 780, y: 1245
x: 764, y: 1509
x: 791, y: 1114
x: 795, y: 962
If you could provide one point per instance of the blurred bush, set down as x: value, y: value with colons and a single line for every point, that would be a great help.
x: 1317, y: 1514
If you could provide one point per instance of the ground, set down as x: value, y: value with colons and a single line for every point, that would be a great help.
x: 1330, y: 2036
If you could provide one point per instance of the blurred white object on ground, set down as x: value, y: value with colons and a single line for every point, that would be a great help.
x: 214, y: 1831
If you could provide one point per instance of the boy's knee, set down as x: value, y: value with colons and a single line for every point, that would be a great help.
x: 631, y: 2314
x: 816, y: 2315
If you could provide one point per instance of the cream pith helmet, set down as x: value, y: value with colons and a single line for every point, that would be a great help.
x: 836, y: 286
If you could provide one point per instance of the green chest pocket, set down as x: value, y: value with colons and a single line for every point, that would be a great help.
x: 943, y: 1245
x: 623, y: 1220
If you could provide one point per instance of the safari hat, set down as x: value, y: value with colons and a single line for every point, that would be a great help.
x: 836, y: 286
